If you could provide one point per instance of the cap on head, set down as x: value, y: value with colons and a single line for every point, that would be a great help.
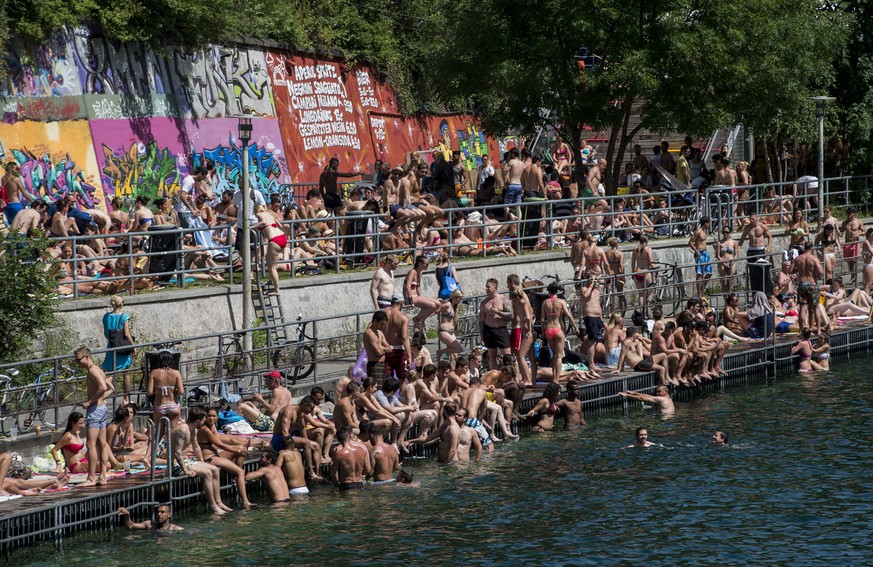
x: 274, y: 374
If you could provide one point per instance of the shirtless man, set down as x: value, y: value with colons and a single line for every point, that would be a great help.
x: 808, y: 269
x: 660, y: 401
x: 594, y: 183
x: 29, y: 220
x: 677, y: 358
x: 641, y: 438
x: 99, y: 389
x: 512, y: 175
x: 448, y: 434
x: 377, y: 346
x: 328, y: 187
x: 290, y: 431
x: 642, y: 263
x: 759, y: 237
x: 532, y: 177
x: 494, y: 313
x: 15, y: 191
x: 182, y: 435
x: 467, y: 438
x: 784, y: 284
x: 273, y: 475
x: 412, y: 291
x: 702, y: 261
x: 344, y: 411
x: 852, y: 229
x: 384, y: 458
x: 382, y: 284
x: 351, y: 462
x: 571, y: 407
x: 163, y: 520
x: 592, y: 315
x: 280, y: 397
x: 632, y: 355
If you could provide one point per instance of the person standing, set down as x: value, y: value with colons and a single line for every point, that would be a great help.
x: 702, y: 261
x: 328, y: 186
x: 852, y: 228
x: 382, y: 284
x: 187, y: 207
x: 13, y: 189
x: 552, y: 311
x: 350, y: 462
x: 683, y: 169
x: 484, y: 171
x: 494, y: 313
x: 512, y: 173
x: 98, y: 389
x: 397, y: 335
x: 115, y: 360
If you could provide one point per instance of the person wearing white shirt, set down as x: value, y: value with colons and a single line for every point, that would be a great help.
x: 186, y: 206
x: 257, y: 198
x: 485, y: 170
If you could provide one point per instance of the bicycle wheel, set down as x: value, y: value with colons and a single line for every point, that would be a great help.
x: 302, y: 363
x: 27, y: 413
x: 231, y: 361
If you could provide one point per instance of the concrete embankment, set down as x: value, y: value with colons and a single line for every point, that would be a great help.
x: 180, y: 313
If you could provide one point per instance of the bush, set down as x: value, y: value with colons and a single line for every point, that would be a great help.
x: 27, y: 294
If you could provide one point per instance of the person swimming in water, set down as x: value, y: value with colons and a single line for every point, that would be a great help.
x: 163, y: 522
x: 661, y: 400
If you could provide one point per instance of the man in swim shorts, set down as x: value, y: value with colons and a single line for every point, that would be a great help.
x: 377, y: 346
x: 385, y: 458
x: 702, y: 261
x: 382, y: 285
x: 98, y: 390
x: 350, y: 462
x: 632, y: 354
x: 494, y: 313
x: 512, y: 172
x: 280, y: 397
x: 808, y: 269
x: 273, y: 475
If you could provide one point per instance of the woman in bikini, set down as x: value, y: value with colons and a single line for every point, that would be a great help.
x: 447, y: 315
x: 143, y: 217
x: 121, y: 440
x: 797, y: 231
x: 615, y: 261
x: 804, y: 351
x: 276, y: 241
x: 546, y: 408
x: 551, y: 313
x: 828, y: 241
x: 72, y: 446
x: 743, y: 182
x: 225, y: 456
x: 420, y: 353
x: 521, y: 339
x: 726, y: 251
x: 165, y: 385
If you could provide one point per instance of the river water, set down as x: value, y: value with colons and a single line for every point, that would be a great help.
x: 794, y: 487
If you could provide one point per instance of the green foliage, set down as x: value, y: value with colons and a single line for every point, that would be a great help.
x: 27, y: 298
x: 686, y: 65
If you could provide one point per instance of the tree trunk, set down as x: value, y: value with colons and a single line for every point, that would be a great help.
x: 767, y: 163
x: 613, y: 157
x: 574, y: 141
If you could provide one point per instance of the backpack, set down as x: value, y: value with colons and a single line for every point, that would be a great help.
x: 117, y: 339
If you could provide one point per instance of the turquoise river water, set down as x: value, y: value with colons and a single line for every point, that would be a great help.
x: 793, y: 488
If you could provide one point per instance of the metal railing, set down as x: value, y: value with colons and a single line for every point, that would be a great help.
x: 357, y: 238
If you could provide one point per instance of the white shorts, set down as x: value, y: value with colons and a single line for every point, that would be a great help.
x: 298, y: 491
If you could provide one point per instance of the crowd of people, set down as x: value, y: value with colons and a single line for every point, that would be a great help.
x: 409, y: 202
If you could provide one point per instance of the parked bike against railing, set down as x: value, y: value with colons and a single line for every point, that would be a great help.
x: 296, y: 359
x: 37, y: 400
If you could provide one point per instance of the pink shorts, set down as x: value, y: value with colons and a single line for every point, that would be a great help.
x: 515, y: 339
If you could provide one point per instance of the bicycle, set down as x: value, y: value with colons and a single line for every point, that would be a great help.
x: 231, y: 356
x: 40, y: 396
x: 301, y: 362
x: 6, y: 383
x: 669, y: 293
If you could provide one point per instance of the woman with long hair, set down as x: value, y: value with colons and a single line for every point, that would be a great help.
x: 115, y: 360
x: 447, y: 315
x: 546, y: 408
x: 72, y: 446
x: 521, y: 339
x: 551, y: 312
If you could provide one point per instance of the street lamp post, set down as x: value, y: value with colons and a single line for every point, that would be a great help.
x: 245, y: 135
x: 820, y: 102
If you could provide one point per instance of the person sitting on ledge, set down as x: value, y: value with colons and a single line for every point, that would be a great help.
x: 280, y: 397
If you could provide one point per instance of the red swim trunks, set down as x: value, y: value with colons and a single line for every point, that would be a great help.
x: 515, y: 339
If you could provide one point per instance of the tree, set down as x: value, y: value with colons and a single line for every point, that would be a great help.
x: 27, y: 298
x: 686, y: 65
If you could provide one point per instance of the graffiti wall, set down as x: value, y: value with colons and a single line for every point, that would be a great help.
x: 151, y: 159
x: 55, y: 158
x: 88, y: 114
x: 327, y: 109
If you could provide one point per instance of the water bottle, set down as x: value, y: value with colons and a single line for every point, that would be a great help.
x: 126, y: 465
x: 13, y: 433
